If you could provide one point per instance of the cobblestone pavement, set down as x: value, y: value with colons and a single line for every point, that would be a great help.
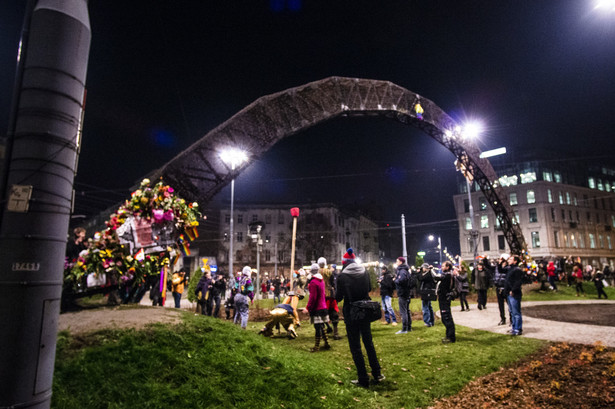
x: 488, y: 319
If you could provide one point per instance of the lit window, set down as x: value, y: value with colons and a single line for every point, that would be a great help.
x: 484, y: 221
x: 576, y: 202
x: 513, y: 199
x: 601, y: 241
x: 568, y: 198
x: 565, y: 240
x: 600, y: 185
x: 533, y: 215
x: 547, y: 176
x: 535, y: 239
x: 561, y: 197
x: 608, y: 241
x: 612, y: 220
x: 508, y: 180
x: 468, y: 223
x: 482, y: 203
x: 581, y: 241
x: 607, y: 186
x: 592, y: 241
x: 556, y: 238
x: 557, y: 177
x: 549, y: 196
x: 592, y: 183
x: 528, y: 177
x: 517, y: 216
x: 573, y: 241
x: 531, y: 197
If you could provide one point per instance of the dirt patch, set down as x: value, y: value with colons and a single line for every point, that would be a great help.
x: 119, y: 317
x: 561, y: 376
x: 592, y: 314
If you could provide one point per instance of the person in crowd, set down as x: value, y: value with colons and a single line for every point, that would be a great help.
x: 76, y: 244
x: 499, y: 280
x: 577, y: 273
x: 353, y: 284
x: 427, y: 291
x: 541, y: 275
x: 203, y: 289
x: 284, y: 314
x: 403, y: 285
x: 552, y: 275
x: 177, y: 286
x: 243, y: 297
x: 598, y: 278
x: 215, y: 297
x: 608, y: 274
x: 465, y: 288
x: 317, y: 308
x: 155, y: 294
x: 264, y: 289
x: 387, y: 287
x: 329, y: 275
x: 445, y: 288
x: 276, y: 283
x: 481, y: 276
x: 229, y: 304
x: 514, y: 280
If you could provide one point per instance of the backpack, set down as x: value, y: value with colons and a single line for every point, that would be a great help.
x: 456, y: 287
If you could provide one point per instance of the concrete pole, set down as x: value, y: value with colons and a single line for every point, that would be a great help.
x: 231, y: 238
x: 38, y: 192
x: 403, y: 237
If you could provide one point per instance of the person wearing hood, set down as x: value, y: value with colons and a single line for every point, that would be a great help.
x: 404, y: 282
x: 353, y: 284
x: 317, y: 308
x: 387, y: 287
x: 245, y: 294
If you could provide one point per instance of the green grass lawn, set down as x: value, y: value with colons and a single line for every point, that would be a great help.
x: 207, y: 362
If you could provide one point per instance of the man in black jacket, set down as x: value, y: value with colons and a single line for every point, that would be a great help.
x: 353, y: 284
x: 404, y: 284
x: 447, y: 282
x: 514, y: 279
x: 387, y: 287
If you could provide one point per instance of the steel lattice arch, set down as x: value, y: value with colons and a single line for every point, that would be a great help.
x: 198, y: 173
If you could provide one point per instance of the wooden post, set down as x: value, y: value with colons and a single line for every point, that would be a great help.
x: 294, y: 212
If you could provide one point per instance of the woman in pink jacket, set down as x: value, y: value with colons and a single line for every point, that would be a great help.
x: 317, y: 308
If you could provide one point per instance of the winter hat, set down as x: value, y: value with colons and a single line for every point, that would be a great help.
x: 301, y: 272
x: 348, y: 257
x: 314, y: 268
x: 322, y: 262
x: 246, y: 271
x: 401, y: 259
x: 425, y: 266
x: 333, y: 267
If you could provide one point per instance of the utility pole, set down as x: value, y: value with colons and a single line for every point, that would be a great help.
x: 37, y: 192
x: 403, y: 237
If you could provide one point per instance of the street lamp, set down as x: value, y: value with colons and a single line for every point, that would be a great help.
x: 233, y: 157
x: 431, y: 238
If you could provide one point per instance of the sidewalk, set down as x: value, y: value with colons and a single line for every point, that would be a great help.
x: 538, y: 328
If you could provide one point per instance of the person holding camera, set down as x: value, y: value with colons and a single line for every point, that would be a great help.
x: 445, y: 289
x: 178, y: 281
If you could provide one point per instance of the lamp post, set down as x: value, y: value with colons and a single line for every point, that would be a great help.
x: 431, y: 238
x: 233, y: 157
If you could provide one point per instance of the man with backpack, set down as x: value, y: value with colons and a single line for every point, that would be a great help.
x: 447, y: 291
x: 404, y: 282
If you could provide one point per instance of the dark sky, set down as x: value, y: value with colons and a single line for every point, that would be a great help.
x: 163, y: 73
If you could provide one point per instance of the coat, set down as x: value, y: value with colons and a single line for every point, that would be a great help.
x: 316, y: 288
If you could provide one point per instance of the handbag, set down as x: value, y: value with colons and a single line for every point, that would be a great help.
x: 365, y: 311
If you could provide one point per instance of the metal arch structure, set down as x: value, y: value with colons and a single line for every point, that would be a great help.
x: 198, y: 173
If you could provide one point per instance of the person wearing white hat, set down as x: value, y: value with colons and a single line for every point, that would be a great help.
x: 245, y: 294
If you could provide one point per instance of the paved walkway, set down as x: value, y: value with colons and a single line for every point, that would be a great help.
x: 538, y: 328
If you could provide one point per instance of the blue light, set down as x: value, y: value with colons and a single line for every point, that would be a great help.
x: 163, y: 138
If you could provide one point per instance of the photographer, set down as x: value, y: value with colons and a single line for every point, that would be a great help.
x: 445, y: 288
x: 499, y: 280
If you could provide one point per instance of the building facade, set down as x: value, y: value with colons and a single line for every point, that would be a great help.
x: 323, y: 230
x: 562, y: 211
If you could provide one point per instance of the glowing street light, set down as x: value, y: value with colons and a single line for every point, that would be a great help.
x: 431, y: 238
x: 233, y: 157
x: 472, y: 129
x: 606, y: 5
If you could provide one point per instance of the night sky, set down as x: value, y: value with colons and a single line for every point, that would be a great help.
x: 539, y: 74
